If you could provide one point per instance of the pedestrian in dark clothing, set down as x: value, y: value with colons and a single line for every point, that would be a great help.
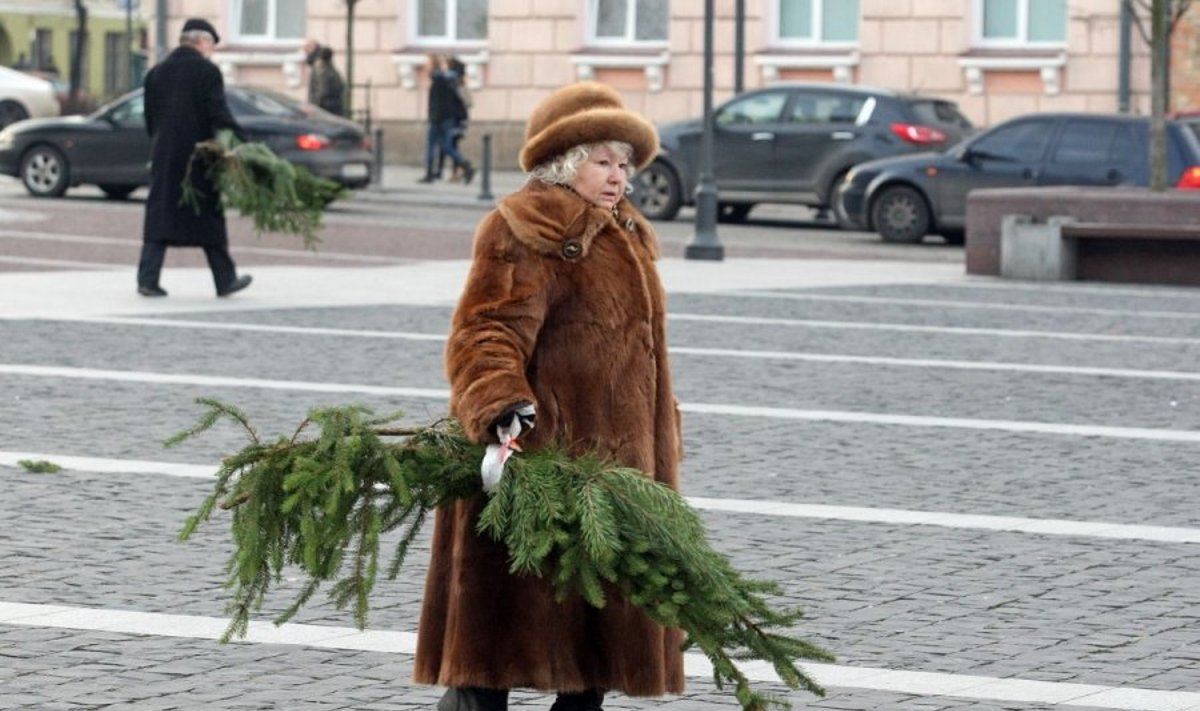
x: 459, y: 70
x: 446, y: 110
x: 331, y: 88
x: 184, y: 105
x: 312, y: 53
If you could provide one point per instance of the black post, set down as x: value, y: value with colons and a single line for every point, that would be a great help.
x: 705, y: 244
x: 129, y: 42
x: 485, y: 169
x: 377, y: 157
x: 739, y: 46
x: 1124, y: 57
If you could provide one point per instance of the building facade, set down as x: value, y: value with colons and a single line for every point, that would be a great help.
x: 995, y: 58
x: 38, y: 35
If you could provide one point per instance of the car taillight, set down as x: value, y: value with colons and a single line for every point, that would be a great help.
x: 1190, y: 180
x: 312, y: 142
x: 920, y: 135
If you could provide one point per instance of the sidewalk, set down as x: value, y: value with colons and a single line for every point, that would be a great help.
x: 400, y: 184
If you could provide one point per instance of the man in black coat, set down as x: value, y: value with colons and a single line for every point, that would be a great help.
x: 185, y: 104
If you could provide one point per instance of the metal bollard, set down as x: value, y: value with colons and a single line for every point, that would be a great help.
x: 377, y: 157
x: 485, y: 170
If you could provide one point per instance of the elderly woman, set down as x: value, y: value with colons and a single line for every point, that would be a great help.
x: 559, y: 335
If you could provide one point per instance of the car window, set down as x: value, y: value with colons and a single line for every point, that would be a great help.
x: 1084, y: 141
x: 755, y: 109
x: 939, y: 112
x: 1022, y: 141
x: 821, y: 107
x: 243, y: 102
x: 129, y: 113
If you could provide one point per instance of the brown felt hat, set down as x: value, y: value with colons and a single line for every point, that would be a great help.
x: 586, y: 112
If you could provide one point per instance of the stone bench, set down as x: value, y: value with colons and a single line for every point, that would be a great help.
x: 1096, y: 234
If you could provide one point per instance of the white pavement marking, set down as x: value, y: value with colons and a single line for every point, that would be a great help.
x: 59, y: 263
x: 938, y: 330
x: 777, y: 413
x: 137, y: 243
x: 1015, y: 524
x: 952, y: 304
x: 938, y: 364
x: 695, y: 665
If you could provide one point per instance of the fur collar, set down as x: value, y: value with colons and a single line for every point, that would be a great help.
x: 555, y: 220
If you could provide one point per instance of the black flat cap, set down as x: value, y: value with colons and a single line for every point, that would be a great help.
x: 197, y: 23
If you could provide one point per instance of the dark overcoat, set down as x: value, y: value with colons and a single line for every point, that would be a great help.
x: 185, y: 104
x: 563, y: 307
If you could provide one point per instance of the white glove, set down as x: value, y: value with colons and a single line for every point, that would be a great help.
x: 508, y: 427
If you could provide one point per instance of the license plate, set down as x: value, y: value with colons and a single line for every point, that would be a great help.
x: 355, y: 170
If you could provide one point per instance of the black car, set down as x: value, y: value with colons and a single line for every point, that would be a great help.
x: 791, y: 143
x: 907, y: 197
x: 110, y: 148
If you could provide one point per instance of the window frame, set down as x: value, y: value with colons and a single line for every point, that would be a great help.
x: 629, y: 39
x: 235, y: 22
x: 1021, y: 41
x: 817, y: 22
x: 450, y: 38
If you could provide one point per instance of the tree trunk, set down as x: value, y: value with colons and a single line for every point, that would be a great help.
x: 1160, y: 36
x: 75, y: 73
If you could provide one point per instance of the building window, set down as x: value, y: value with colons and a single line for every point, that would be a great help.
x: 116, y: 57
x: 270, y: 19
x: 41, y: 52
x: 624, y: 22
x: 1021, y: 22
x: 440, y: 21
x: 810, y: 22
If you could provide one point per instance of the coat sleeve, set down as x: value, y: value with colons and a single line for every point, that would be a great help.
x: 216, y: 108
x: 495, y: 329
x: 149, y: 108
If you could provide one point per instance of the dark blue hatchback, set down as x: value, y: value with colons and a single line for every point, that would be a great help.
x: 904, y: 198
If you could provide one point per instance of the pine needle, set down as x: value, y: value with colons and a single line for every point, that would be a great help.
x: 586, y: 526
x: 276, y: 194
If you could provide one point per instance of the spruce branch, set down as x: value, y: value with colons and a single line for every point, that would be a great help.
x: 588, y: 527
x: 276, y: 194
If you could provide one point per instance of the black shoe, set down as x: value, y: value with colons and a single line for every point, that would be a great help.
x: 237, y: 285
x: 152, y: 290
x: 468, y: 173
x: 590, y: 700
x: 468, y: 698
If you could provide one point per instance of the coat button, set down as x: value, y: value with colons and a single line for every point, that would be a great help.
x: 572, y: 248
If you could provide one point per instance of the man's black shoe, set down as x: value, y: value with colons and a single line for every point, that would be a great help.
x: 468, y: 173
x: 152, y: 291
x: 237, y: 285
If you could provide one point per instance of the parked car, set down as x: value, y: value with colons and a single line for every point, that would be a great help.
x: 907, y: 197
x: 23, y: 96
x: 110, y: 148
x: 791, y: 143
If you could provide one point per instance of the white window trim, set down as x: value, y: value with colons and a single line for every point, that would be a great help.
x: 1021, y: 41
x: 409, y: 64
x: 289, y: 64
x: 842, y: 65
x: 629, y: 40
x: 651, y: 64
x: 818, y: 9
x: 418, y: 40
x: 1050, y: 69
x: 235, y: 19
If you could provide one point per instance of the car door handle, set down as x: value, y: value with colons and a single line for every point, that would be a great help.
x: 842, y: 135
x: 762, y: 136
x: 1031, y: 173
x: 1113, y: 175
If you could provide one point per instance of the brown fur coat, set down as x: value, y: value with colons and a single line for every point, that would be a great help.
x: 563, y: 308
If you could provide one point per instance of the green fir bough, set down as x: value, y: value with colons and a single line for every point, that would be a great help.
x: 277, y: 194
x: 322, y: 503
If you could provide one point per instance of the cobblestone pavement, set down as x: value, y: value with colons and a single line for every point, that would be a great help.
x: 1119, y: 612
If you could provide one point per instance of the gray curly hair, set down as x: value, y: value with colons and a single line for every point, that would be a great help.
x: 562, y: 170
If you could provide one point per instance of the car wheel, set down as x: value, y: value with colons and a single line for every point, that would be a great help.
x: 44, y: 171
x: 117, y: 192
x: 733, y: 212
x: 900, y: 215
x: 657, y: 193
x: 11, y: 112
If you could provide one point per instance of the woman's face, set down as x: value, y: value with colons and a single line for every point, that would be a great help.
x: 601, y: 179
